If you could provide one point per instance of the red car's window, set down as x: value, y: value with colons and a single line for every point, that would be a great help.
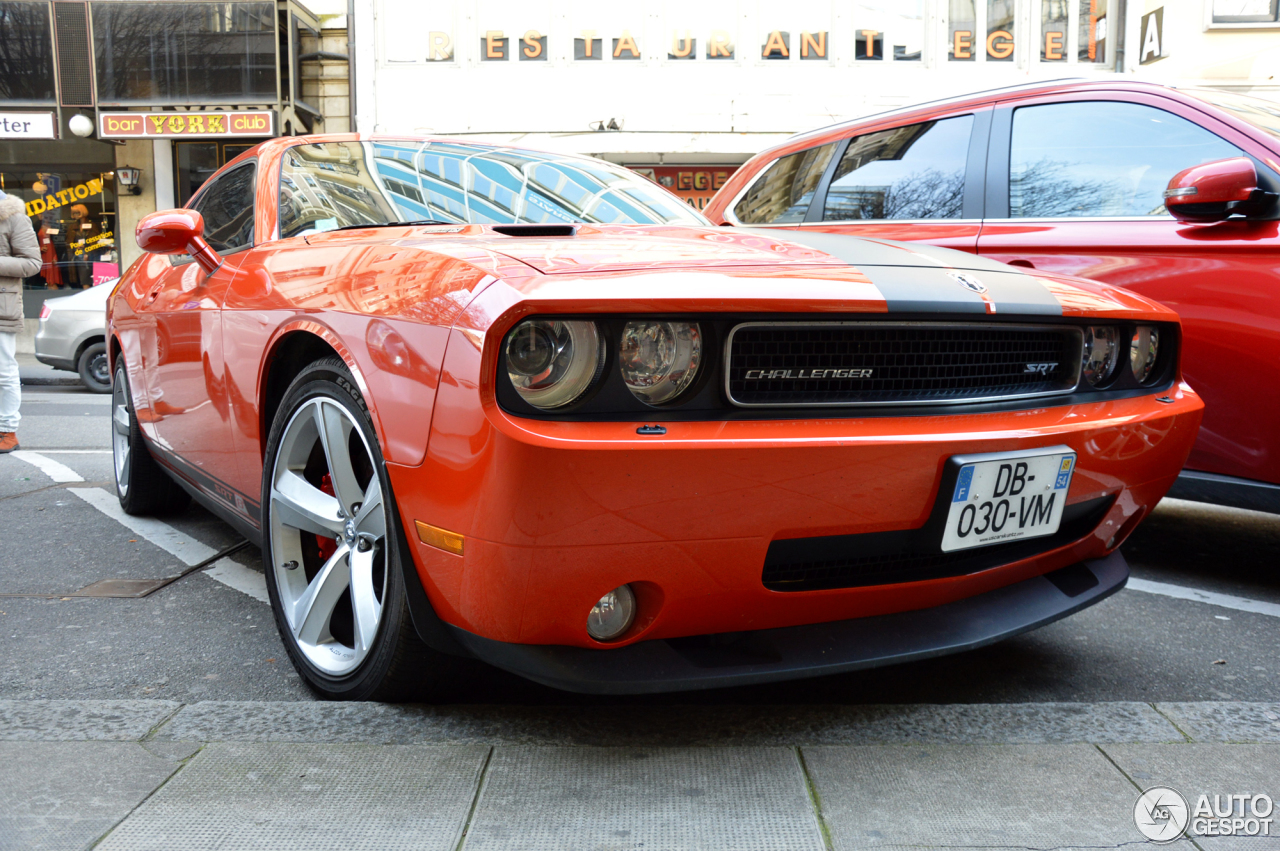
x: 913, y: 172
x: 782, y: 194
x: 227, y: 208
x: 1118, y: 164
x: 1262, y: 114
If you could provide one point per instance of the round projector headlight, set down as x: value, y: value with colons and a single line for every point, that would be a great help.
x: 553, y: 362
x: 1101, y: 353
x: 659, y: 360
x: 1144, y: 350
x: 611, y: 616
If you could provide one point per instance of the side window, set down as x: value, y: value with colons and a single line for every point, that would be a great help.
x: 782, y: 194
x: 227, y: 208
x: 913, y: 172
x: 1101, y: 158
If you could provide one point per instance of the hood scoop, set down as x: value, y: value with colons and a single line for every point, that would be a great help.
x: 535, y: 230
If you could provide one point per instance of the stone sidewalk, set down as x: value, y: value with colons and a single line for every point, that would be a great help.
x: 161, y: 775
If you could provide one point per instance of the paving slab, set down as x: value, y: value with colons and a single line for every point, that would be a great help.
x: 309, y: 797
x: 583, y: 799
x: 1213, y: 770
x: 670, y: 725
x: 1226, y: 721
x: 1026, y: 796
x: 81, y: 720
x: 64, y: 795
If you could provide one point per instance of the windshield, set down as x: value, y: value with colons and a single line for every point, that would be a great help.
x: 339, y: 184
x: 1263, y: 114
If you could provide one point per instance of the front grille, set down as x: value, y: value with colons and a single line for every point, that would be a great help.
x: 889, y: 558
x: 880, y: 363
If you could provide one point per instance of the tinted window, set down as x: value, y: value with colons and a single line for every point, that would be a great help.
x: 227, y: 207
x: 1101, y: 158
x: 782, y: 194
x: 913, y: 172
x: 26, y: 52
x: 185, y: 52
x: 336, y: 184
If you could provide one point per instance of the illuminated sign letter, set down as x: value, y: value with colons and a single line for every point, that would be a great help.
x: 439, y: 47
x: 216, y: 124
x: 720, y: 46
x: 813, y: 45
x: 495, y: 45
x: 682, y: 48
x: 534, y: 45
x: 587, y: 47
x: 775, y: 46
x: 867, y: 40
x: 961, y: 45
x: 195, y: 124
x: 1052, y: 47
x: 627, y: 43
x: 157, y: 121
x: 1000, y: 44
x: 177, y: 124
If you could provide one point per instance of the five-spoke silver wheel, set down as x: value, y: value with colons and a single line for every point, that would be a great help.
x: 328, y: 528
x: 120, y: 434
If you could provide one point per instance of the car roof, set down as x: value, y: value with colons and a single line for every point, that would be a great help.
x: 983, y: 96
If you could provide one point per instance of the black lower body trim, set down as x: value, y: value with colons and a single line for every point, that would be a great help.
x: 1226, y: 490
x: 789, y: 653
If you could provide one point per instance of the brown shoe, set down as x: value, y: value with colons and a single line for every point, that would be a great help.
x: 8, y: 442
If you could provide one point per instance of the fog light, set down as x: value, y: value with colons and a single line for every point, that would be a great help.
x: 611, y: 616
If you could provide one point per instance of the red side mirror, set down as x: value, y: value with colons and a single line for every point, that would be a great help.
x: 1213, y: 191
x: 177, y: 232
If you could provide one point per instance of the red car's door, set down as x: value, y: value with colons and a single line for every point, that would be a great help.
x: 917, y: 181
x: 189, y: 400
x: 1089, y: 202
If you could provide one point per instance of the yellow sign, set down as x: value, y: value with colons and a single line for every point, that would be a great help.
x: 57, y: 199
x: 181, y: 125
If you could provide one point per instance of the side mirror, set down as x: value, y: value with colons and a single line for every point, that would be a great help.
x: 177, y: 232
x: 1214, y: 191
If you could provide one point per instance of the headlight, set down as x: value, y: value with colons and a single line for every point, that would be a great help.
x: 553, y: 362
x: 659, y: 360
x: 1144, y: 350
x: 1101, y: 353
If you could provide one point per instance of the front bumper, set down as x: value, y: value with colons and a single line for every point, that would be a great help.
x: 770, y: 655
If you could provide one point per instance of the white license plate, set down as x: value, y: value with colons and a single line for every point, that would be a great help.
x: 1006, y: 496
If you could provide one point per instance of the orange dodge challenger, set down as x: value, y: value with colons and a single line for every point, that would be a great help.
x: 530, y: 408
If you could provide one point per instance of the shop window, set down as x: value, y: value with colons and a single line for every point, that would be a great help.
x: 191, y: 52
x: 782, y: 194
x: 1118, y: 165
x: 1053, y: 30
x: 74, y: 216
x: 26, y: 53
x: 227, y: 208
x: 1244, y: 11
x: 962, y: 23
x: 913, y: 172
x: 1092, y: 46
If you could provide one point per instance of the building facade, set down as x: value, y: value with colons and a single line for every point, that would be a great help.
x: 112, y: 109
x: 688, y: 91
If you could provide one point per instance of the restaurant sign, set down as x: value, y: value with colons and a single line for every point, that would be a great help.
x: 185, y: 125
x: 695, y: 185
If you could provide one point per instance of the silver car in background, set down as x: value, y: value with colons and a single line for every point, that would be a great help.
x: 72, y: 335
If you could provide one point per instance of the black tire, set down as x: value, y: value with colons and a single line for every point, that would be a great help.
x: 94, y: 369
x: 142, y: 485
x: 398, y: 665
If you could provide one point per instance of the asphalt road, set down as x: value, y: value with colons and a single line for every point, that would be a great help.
x: 200, y: 638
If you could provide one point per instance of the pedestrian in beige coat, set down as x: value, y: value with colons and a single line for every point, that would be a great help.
x: 19, y: 258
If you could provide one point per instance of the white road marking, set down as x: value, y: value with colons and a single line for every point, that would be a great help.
x: 1226, y: 601
x: 164, y: 536
x: 237, y: 576
x: 55, y: 470
x: 76, y: 451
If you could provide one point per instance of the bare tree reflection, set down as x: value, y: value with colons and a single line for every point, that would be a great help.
x: 1054, y: 189
x: 928, y: 194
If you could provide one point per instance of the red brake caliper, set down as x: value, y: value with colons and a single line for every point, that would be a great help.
x: 328, y: 546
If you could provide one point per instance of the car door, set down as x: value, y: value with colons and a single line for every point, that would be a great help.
x: 1076, y: 186
x: 189, y: 399
x: 916, y: 181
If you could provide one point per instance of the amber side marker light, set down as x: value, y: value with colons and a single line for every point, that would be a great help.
x: 441, y: 539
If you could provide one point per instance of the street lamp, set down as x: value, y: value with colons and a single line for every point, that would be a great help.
x: 128, y: 177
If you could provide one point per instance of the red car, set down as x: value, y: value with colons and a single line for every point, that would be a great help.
x: 1070, y: 177
x: 530, y: 408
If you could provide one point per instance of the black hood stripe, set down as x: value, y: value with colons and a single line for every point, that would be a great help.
x: 913, y: 278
